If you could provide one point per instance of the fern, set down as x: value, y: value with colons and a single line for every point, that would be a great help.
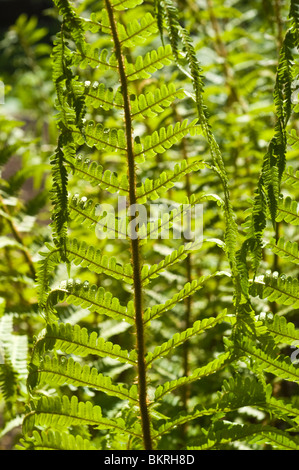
x: 70, y: 413
x: 96, y: 299
x: 268, y: 191
x: 53, y: 440
x: 124, y: 306
x: 281, y: 289
x: 229, y: 433
x: 291, y: 177
x: 288, y: 211
x: 285, y: 249
x: 71, y: 339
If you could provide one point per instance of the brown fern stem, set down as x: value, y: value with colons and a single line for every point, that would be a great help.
x: 136, y: 262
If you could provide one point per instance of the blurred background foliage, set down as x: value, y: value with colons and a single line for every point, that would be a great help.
x: 237, y: 44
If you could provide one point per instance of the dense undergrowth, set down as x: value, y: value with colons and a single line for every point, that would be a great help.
x: 125, y: 323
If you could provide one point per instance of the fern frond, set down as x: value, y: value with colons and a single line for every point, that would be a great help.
x: 14, y: 348
x: 124, y: 4
x: 211, y: 368
x: 153, y: 271
x: 150, y: 104
x: 95, y: 299
x: 168, y: 219
x: 150, y: 63
x: 189, y: 289
x: 197, y: 328
x: 93, y: 57
x: 54, y: 440
x: 283, y: 410
x: 59, y: 371
x: 291, y: 177
x: 72, y: 21
x: 282, y: 330
x: 72, y: 339
x: 268, y: 192
x: 235, y: 394
x: 59, y: 196
x: 288, y: 211
x: 223, y: 435
x: 294, y: 16
x: 95, y: 135
x: 98, y: 21
x: 87, y: 256
x: 13, y: 360
x: 80, y: 254
x: 281, y: 289
x: 163, y: 140
x: 45, y: 269
x: 285, y: 249
x: 62, y: 412
x: 237, y: 390
x: 97, y: 95
x: 280, y: 366
x: 151, y: 189
x: 87, y: 212
x: 95, y: 174
x: 137, y: 31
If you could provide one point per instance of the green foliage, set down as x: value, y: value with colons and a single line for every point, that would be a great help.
x: 137, y: 336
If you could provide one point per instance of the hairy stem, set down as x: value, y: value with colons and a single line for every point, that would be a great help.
x: 145, y: 419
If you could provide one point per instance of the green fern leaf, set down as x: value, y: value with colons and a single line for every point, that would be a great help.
x: 211, y: 368
x: 71, y: 339
x: 95, y: 135
x: 62, y: 412
x: 285, y: 249
x: 83, y: 255
x: 168, y: 219
x: 189, y: 289
x: 93, y: 57
x: 98, y: 21
x: 88, y: 212
x: 97, y: 95
x: 153, y: 271
x: 72, y: 21
x: 124, y: 4
x: 59, y: 371
x: 150, y: 63
x: 235, y: 394
x: 282, y: 330
x: 87, y: 256
x: 291, y: 177
x: 160, y: 141
x: 94, y: 173
x: 150, y: 104
x: 222, y: 436
x: 288, y: 211
x: 284, y: 410
x: 198, y: 328
x: 279, y: 366
x: 151, y: 189
x: 55, y: 440
x: 137, y: 31
x: 280, y: 289
x: 91, y: 297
